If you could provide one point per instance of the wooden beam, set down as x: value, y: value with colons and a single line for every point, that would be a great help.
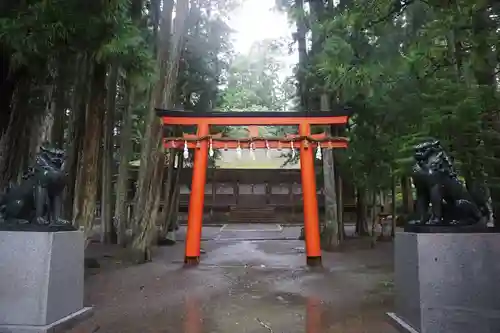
x: 335, y: 112
x: 271, y: 121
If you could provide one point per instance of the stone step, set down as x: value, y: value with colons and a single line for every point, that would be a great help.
x: 251, y: 220
x: 257, y: 219
x: 263, y: 217
x: 251, y: 209
x: 239, y: 214
x: 253, y: 216
x: 263, y: 214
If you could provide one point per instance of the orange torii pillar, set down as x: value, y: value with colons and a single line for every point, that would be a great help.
x: 197, y: 198
x: 311, y: 216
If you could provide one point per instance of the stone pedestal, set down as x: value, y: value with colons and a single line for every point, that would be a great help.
x: 41, y: 281
x: 447, y: 283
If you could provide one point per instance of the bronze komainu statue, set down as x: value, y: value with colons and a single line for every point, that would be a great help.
x: 436, y: 183
x: 36, y: 201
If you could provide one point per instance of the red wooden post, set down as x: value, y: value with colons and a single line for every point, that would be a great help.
x: 311, y: 219
x: 196, y: 199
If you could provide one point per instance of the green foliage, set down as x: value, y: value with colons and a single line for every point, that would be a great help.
x: 255, y: 80
x: 409, y: 73
x: 42, y: 29
x: 129, y: 47
x: 206, y: 54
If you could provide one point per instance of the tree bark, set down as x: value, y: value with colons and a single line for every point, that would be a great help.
x: 120, y: 215
x: 330, y: 233
x: 340, y: 206
x: 361, y: 212
x: 167, y: 194
x: 122, y: 181
x: 373, y: 218
x: 173, y: 209
x: 57, y: 132
x: 393, y: 205
x: 14, y: 146
x: 152, y: 156
x: 144, y: 232
x: 407, y: 194
x: 41, y: 133
x: 76, y: 132
x: 108, y: 232
x: 302, y: 50
x: 9, y: 80
x: 88, y: 167
x: 484, y: 69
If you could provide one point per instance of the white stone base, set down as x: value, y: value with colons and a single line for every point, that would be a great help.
x: 41, y: 280
x: 59, y: 326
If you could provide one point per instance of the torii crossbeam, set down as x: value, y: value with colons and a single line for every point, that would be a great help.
x: 203, y: 143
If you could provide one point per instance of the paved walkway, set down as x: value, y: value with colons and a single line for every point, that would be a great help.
x: 262, y: 231
x: 246, y: 286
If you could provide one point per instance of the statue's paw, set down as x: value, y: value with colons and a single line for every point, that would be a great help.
x: 41, y: 221
x: 62, y: 222
x: 59, y: 223
x: 465, y: 222
x: 434, y: 221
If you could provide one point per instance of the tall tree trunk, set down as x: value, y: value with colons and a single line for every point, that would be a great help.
x: 484, y: 67
x: 88, y: 167
x: 340, y: 206
x: 315, y: 18
x: 173, y: 216
x: 125, y: 144
x: 152, y: 156
x: 373, y: 217
x: 14, y: 146
x: 76, y: 132
x: 38, y: 118
x: 361, y: 212
x: 167, y: 194
x: 108, y: 234
x: 42, y: 134
x: 144, y: 233
x: 407, y: 194
x: 57, y: 132
x: 330, y: 234
x: 302, y: 48
x: 122, y: 182
x: 9, y: 80
x: 173, y: 209
x: 393, y: 205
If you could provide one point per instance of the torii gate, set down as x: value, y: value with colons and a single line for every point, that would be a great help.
x: 203, y: 144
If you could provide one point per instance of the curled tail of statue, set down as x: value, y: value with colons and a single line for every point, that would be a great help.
x: 481, y: 196
x: 3, y: 203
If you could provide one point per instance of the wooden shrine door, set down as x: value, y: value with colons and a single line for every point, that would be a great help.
x: 252, y: 195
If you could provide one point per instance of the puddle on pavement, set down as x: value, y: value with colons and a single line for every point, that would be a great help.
x: 197, y: 318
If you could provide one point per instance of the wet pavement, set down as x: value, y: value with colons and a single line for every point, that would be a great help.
x: 256, y: 285
x: 234, y: 232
